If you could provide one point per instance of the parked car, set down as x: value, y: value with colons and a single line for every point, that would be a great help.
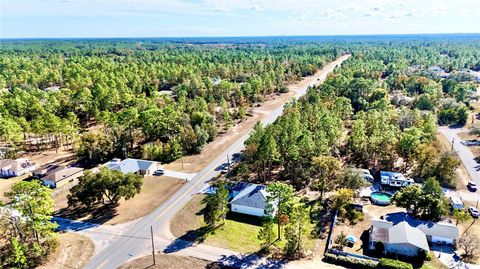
x: 473, y: 211
x: 159, y: 172
x: 472, y: 186
x: 226, y: 168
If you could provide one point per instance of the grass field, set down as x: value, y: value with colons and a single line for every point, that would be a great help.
x: 239, y: 233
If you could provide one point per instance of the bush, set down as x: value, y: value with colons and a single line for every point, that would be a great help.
x: 379, y: 247
x: 283, y: 89
x: 393, y: 264
x: 423, y: 255
x: 355, y: 216
x: 350, y: 262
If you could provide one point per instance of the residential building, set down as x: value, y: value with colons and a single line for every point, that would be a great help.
x: 251, y: 200
x: 17, y: 167
x: 410, y: 234
x: 395, y: 179
x: 400, y: 239
x: 136, y: 166
x: 45, y: 170
x: 436, y: 232
x: 52, y: 175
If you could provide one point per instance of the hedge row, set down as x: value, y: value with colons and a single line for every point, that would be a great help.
x: 393, y: 264
x: 350, y: 262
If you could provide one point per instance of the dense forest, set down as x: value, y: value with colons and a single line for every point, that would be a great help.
x: 378, y: 111
x: 160, y: 98
x: 171, y: 98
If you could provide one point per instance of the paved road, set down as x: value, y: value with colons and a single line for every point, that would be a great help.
x: 466, y: 156
x: 134, y: 242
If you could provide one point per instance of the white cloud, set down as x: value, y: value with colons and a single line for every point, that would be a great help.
x: 238, y: 16
x: 256, y: 8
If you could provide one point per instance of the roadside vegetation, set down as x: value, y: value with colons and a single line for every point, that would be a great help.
x: 157, y: 100
x: 27, y: 235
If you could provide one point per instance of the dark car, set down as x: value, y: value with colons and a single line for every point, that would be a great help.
x: 472, y: 186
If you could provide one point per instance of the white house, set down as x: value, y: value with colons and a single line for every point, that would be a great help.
x: 433, y: 232
x: 394, y: 179
x: 17, y: 167
x: 440, y: 232
x: 400, y: 238
x: 136, y: 166
x: 252, y: 200
x: 51, y: 175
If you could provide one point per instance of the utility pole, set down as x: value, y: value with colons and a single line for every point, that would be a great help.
x: 228, y: 163
x: 153, y: 245
x: 182, y: 163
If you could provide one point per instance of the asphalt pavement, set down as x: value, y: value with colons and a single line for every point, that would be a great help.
x: 466, y: 156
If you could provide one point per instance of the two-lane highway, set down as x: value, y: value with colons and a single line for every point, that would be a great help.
x: 135, y: 241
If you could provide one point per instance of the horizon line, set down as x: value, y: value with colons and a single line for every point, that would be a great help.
x: 240, y: 36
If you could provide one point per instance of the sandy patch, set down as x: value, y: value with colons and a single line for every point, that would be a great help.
x: 155, y: 191
x: 74, y: 251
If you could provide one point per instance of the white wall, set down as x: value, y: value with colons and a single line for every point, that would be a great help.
x: 248, y: 210
x: 404, y: 249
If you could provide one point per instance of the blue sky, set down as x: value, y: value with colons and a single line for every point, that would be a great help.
x: 175, y: 18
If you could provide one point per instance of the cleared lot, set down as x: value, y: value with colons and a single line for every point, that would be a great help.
x: 164, y: 261
x: 155, y: 190
x: 73, y: 251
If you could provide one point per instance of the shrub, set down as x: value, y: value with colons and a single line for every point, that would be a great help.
x: 379, y: 247
x: 422, y: 255
x: 393, y: 264
x: 350, y: 262
x: 283, y: 89
x: 354, y: 216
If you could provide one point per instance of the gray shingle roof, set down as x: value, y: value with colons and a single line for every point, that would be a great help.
x: 441, y: 229
x: 404, y: 233
x: 253, y: 196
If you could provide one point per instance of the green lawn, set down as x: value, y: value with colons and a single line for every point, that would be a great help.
x: 240, y: 234
x: 234, y: 235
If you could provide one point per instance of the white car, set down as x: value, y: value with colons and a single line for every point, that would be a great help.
x: 473, y: 211
x: 159, y: 172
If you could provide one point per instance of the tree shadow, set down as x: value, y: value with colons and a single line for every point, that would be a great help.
x: 248, y: 261
x: 98, y: 213
x: 188, y: 239
x: 365, y: 237
x: 243, y: 218
x: 456, y: 126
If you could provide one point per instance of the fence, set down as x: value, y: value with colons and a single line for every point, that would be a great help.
x: 343, y: 253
